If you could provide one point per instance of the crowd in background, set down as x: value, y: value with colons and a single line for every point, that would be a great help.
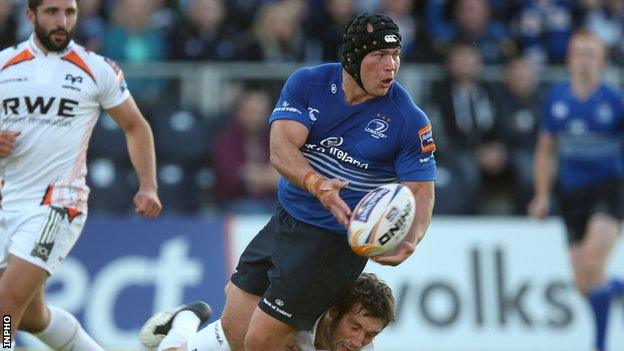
x: 485, y: 134
x: 310, y: 30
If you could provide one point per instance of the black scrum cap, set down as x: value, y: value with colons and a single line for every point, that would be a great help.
x: 359, y: 42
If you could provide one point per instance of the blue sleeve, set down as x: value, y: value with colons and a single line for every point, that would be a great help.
x: 415, y: 161
x: 293, y: 101
x: 547, y: 124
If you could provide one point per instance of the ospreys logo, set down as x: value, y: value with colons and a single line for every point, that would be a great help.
x: 73, y: 79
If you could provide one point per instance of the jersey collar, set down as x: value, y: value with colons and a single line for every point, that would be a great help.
x: 32, y: 45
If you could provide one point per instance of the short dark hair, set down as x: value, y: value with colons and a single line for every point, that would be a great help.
x: 33, y: 4
x: 371, y: 295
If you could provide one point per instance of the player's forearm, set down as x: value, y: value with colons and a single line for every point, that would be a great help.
x: 141, y: 149
x: 424, y: 196
x: 424, y: 209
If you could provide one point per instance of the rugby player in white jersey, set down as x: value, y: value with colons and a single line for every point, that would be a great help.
x: 51, y: 94
x: 351, y: 324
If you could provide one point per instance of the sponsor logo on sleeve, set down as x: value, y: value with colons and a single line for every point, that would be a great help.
x: 425, y: 135
x: 285, y: 107
x: 313, y: 114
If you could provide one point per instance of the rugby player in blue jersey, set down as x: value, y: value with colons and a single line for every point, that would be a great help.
x: 337, y: 132
x: 582, y: 128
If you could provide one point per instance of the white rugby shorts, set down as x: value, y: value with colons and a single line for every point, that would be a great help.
x: 42, y: 235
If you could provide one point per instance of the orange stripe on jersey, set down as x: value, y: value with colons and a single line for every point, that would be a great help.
x: 25, y: 55
x: 47, y: 197
x: 424, y: 129
x: 426, y: 139
x: 73, y: 57
x: 72, y: 213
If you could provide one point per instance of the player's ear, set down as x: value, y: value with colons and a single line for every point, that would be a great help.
x: 30, y: 14
x: 331, y: 314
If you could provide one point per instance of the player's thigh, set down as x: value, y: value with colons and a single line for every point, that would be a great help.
x: 600, y: 238
x: 249, y: 281
x: 19, y: 284
x: 575, y: 211
x: 576, y: 260
x: 589, y: 256
x: 43, y: 235
x: 604, y: 222
x: 267, y: 333
x: 312, y: 269
x: 239, y: 307
x: 5, y: 236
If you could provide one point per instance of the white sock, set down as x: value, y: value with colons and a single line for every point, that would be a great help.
x: 65, y: 332
x: 210, y: 338
x: 184, y: 325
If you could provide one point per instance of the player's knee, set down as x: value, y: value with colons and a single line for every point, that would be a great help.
x: 255, y: 341
x: 581, y: 284
x: 233, y: 333
x: 587, y: 276
x: 35, y: 320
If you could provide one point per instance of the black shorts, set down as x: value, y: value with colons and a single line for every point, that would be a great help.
x: 299, y: 270
x: 580, y: 204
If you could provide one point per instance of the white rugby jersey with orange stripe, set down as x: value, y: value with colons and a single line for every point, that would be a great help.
x: 54, y: 101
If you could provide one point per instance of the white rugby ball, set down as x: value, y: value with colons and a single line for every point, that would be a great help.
x: 381, y: 220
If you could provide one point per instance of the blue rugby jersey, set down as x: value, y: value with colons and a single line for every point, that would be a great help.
x: 383, y: 140
x: 588, y: 133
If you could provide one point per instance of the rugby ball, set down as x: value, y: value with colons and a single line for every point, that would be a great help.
x: 381, y: 220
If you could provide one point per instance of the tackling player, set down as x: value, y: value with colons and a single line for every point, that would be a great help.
x: 352, y: 323
x: 51, y: 93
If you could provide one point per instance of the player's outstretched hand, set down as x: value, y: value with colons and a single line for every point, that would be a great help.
x: 147, y: 203
x: 539, y: 207
x: 328, y: 194
x: 7, y: 142
x: 396, y: 256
